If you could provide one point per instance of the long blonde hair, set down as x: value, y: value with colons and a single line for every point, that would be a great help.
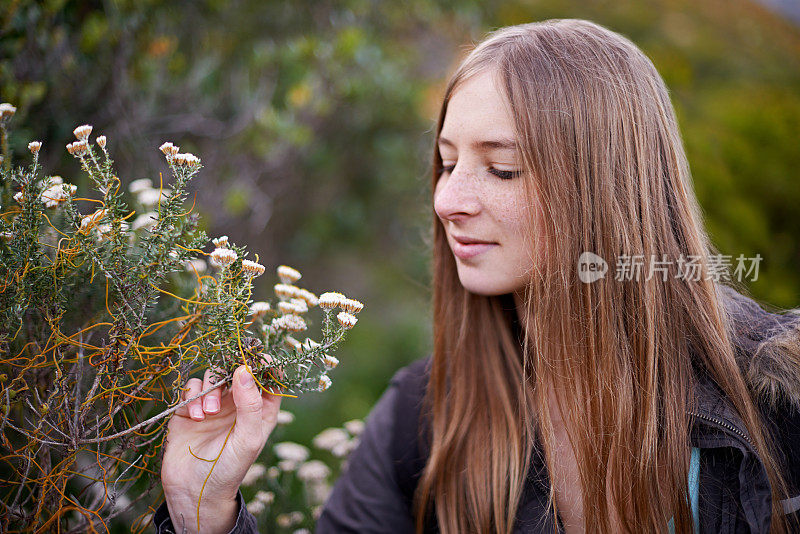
x: 603, y: 157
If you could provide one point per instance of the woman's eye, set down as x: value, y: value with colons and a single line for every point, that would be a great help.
x: 447, y: 168
x: 505, y: 175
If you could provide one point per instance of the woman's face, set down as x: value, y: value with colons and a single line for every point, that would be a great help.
x: 479, y: 197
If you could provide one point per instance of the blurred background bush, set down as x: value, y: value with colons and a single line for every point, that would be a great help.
x: 314, y: 121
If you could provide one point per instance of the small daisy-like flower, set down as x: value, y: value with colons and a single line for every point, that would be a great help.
x: 34, y: 146
x: 324, y: 382
x: 310, y: 344
x: 221, y: 241
x: 266, y: 497
x: 19, y: 197
x: 295, y: 306
x: 345, y: 448
x: 104, y: 229
x: 255, y: 472
x: 285, y: 418
x: 57, y: 193
x: 92, y: 218
x: 145, y: 220
x: 137, y: 186
x: 195, y: 264
x: 256, y: 508
x: 293, y: 323
x: 300, y: 305
x: 82, y: 132
x: 252, y: 269
x: 355, y: 427
x: 313, y: 471
x: 224, y: 256
x: 292, y: 342
x: 288, y: 275
x: 259, y: 309
x: 330, y: 362
x: 7, y: 111
x: 150, y: 197
x: 288, y: 450
x: 347, y: 320
x: 310, y: 298
x: 286, y: 291
x: 56, y: 179
x: 169, y: 149
x: 330, y: 300
x: 78, y: 148
x: 351, y: 305
x: 101, y: 141
x: 187, y: 159
x: 329, y: 438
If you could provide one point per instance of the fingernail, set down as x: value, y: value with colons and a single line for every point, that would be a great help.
x: 197, y: 412
x: 211, y: 405
x: 246, y: 379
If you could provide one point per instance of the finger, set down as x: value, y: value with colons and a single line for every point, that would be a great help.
x: 211, y: 400
x: 248, y: 434
x: 194, y: 409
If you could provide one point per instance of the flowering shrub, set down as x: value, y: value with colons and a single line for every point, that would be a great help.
x: 105, y: 314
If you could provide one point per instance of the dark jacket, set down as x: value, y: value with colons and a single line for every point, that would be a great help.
x: 374, y: 493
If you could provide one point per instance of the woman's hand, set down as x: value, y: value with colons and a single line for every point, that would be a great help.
x: 203, y: 425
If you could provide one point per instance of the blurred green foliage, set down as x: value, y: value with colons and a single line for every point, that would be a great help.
x: 314, y: 122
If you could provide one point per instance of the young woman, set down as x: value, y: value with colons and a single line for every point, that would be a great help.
x: 553, y: 402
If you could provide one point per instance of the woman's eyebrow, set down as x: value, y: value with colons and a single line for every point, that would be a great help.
x: 489, y: 144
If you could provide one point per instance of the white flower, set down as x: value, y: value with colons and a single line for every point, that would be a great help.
x: 285, y: 418
x: 140, y: 185
x: 347, y: 320
x: 330, y: 300
x: 78, y: 148
x: 223, y: 256
x: 310, y: 298
x: 82, y: 132
x: 145, y: 220
x: 286, y: 291
x: 329, y: 438
x: 287, y: 520
x: 56, y: 179
x: 252, y: 269
x: 6, y: 236
x: 101, y: 141
x: 313, y: 471
x: 19, y: 197
x: 149, y: 197
x: 259, y: 309
x: 292, y: 307
x: 195, y: 264
x: 351, y: 305
x: 57, y: 193
x: 256, y: 507
x: 355, y: 427
x: 92, y: 218
x: 273, y: 472
x: 309, y: 344
x: 291, y: 451
x: 7, y: 110
x: 187, y: 159
x: 220, y: 242
x: 169, y: 149
x: 266, y: 497
x: 324, y: 382
x: 293, y: 323
x: 255, y: 472
x: 329, y: 361
x: 344, y: 448
x: 34, y: 146
x: 288, y: 275
x: 104, y: 229
x: 292, y: 342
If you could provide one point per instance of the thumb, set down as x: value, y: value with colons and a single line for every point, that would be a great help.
x: 247, y: 398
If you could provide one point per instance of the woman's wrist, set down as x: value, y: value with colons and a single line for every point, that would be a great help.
x: 216, y: 515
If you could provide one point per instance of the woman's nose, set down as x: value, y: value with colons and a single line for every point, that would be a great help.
x: 454, y: 196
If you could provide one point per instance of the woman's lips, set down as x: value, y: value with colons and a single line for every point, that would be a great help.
x: 469, y: 250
